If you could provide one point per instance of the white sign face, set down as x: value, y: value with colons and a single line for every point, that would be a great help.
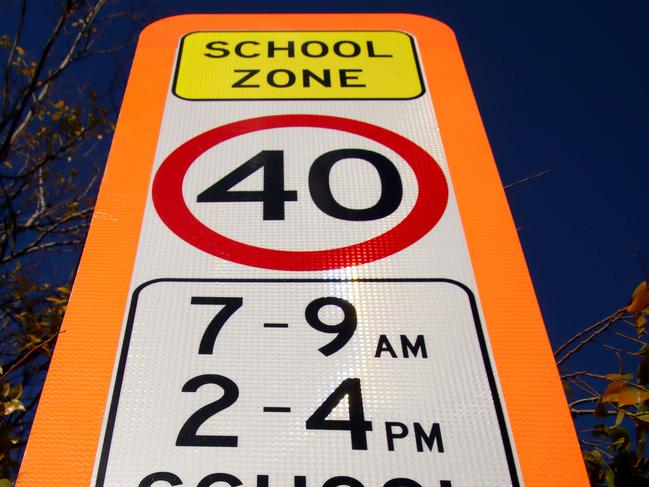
x: 303, y: 307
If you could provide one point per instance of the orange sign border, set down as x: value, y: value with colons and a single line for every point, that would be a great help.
x: 65, y: 437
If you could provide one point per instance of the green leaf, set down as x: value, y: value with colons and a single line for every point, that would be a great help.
x: 5, y: 483
x: 595, y: 465
x: 597, y: 455
x: 618, y: 444
x: 610, y: 477
x: 621, y: 438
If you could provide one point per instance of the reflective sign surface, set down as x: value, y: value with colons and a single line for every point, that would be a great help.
x: 401, y: 387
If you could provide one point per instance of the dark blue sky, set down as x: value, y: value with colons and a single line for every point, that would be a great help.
x: 562, y: 86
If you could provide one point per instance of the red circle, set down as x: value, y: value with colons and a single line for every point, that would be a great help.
x: 172, y: 209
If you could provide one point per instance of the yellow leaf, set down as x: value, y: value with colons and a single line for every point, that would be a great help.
x: 624, y: 394
x: 631, y: 395
x: 59, y: 104
x: 640, y: 323
x: 639, y: 299
x: 16, y: 392
x: 20, y: 50
x: 13, y: 406
x: 612, y: 391
x: 8, y: 164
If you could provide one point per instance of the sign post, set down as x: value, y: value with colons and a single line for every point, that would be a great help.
x: 301, y: 272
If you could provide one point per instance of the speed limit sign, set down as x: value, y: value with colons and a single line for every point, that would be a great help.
x: 353, y: 166
x: 301, y: 272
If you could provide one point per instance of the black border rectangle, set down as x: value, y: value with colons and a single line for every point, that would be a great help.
x: 182, y: 42
x: 123, y: 354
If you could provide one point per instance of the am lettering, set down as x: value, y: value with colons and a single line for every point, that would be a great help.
x: 409, y: 348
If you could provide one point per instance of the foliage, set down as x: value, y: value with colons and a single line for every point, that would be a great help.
x: 53, y: 133
x: 615, y: 403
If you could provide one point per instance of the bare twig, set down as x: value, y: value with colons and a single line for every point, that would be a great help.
x: 583, y: 385
x: 527, y: 179
x: 633, y: 339
x: 584, y: 400
x: 608, y: 322
x: 579, y: 412
x: 608, y: 319
x: 10, y: 57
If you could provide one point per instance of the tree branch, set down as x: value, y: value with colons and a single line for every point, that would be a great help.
x: 609, y: 321
x: 26, y: 356
x: 612, y: 317
x: 7, y: 78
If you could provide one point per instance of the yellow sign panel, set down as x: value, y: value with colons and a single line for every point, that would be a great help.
x: 297, y: 65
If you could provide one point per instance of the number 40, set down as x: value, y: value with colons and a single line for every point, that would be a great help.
x: 274, y: 196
